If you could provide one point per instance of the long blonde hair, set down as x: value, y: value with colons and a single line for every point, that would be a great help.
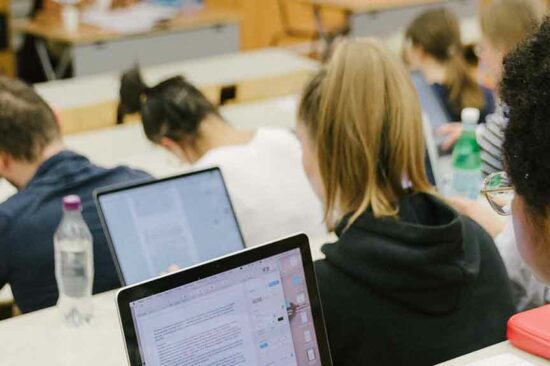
x: 363, y: 114
x: 506, y: 23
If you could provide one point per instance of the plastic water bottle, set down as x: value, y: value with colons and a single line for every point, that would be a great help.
x: 466, y: 181
x: 74, y: 264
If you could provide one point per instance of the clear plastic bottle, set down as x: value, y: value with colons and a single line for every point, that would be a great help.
x: 74, y: 264
x: 466, y: 181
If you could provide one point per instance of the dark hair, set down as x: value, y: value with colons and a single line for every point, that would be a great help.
x: 437, y: 32
x: 27, y: 123
x: 174, y: 108
x: 525, y: 89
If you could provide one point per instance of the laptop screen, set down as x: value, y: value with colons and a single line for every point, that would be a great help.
x: 179, y: 221
x: 256, y: 314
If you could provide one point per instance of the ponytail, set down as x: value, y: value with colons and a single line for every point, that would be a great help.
x: 464, y: 91
x: 437, y: 32
x: 132, y: 88
x: 174, y: 108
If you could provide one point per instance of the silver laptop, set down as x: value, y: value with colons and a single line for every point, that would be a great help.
x: 257, y: 307
x: 434, y: 116
x: 178, y: 221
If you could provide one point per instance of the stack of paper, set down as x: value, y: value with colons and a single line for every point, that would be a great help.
x: 138, y: 18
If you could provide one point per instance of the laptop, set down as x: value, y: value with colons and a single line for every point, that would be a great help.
x: 182, y: 220
x: 431, y: 104
x: 434, y: 116
x: 259, y: 306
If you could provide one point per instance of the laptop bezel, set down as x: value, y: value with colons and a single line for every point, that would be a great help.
x: 429, y: 126
x: 161, y: 284
x: 98, y: 193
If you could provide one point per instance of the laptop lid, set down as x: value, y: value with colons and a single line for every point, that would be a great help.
x: 256, y: 307
x: 434, y: 116
x: 432, y: 106
x: 432, y: 157
x: 180, y: 220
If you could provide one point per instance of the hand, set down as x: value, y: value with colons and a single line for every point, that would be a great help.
x: 173, y: 268
x: 291, y: 310
x: 482, y: 214
x: 451, y: 132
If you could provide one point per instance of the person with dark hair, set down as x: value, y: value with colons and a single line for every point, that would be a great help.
x: 262, y: 168
x: 34, y: 159
x: 525, y: 89
x: 435, y: 48
x: 505, y: 25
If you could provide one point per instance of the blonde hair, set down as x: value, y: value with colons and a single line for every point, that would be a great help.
x: 506, y: 23
x: 363, y: 114
x: 437, y: 32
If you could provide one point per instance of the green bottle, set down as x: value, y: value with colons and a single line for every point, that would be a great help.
x: 467, y: 158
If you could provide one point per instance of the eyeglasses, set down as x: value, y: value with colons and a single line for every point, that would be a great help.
x: 499, y: 193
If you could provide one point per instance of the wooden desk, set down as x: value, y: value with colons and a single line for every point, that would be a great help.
x: 364, y: 6
x: 127, y: 144
x: 492, y: 356
x: 380, y: 17
x: 93, y: 50
x: 90, y: 103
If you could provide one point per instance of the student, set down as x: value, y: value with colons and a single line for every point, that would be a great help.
x: 34, y: 159
x: 504, y: 24
x: 435, y: 48
x: 262, y: 168
x: 409, y: 281
x: 527, y: 153
x: 527, y: 147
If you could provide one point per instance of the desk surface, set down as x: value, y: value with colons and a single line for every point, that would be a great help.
x: 127, y: 144
x: 492, y: 356
x: 222, y: 70
x: 43, y: 336
x: 365, y: 6
x: 51, y: 27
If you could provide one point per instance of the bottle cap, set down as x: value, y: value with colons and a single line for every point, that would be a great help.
x: 72, y: 203
x: 470, y: 116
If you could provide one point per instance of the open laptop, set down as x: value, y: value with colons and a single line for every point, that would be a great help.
x: 256, y: 307
x: 431, y: 104
x: 181, y: 220
x: 434, y: 116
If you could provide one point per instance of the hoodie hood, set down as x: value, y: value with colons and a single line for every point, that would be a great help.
x: 418, y: 259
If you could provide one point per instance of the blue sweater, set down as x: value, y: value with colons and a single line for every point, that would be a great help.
x: 443, y: 93
x: 29, y: 219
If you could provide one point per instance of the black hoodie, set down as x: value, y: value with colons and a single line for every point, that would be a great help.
x: 417, y: 290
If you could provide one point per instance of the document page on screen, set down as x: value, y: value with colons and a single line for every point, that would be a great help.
x: 165, y: 236
x: 180, y: 222
x: 239, y: 317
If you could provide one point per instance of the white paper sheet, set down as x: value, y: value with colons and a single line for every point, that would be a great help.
x: 506, y: 359
x: 138, y: 18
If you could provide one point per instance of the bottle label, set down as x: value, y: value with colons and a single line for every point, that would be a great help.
x: 466, y: 183
x: 76, y: 279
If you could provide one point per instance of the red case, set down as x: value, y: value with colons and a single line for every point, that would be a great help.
x: 530, y: 331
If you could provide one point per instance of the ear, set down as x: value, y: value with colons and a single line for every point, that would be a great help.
x: 173, y: 147
x: 5, y: 162
x: 168, y: 143
x: 57, y: 116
